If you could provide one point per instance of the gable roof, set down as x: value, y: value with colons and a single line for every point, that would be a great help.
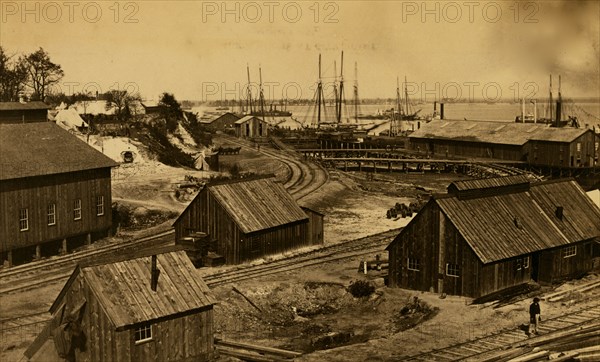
x: 246, y: 119
x: 123, y: 288
x: 17, y: 106
x: 485, y: 183
x: 38, y: 149
x: 257, y: 204
x: 508, y: 133
x: 507, y: 225
x: 225, y: 116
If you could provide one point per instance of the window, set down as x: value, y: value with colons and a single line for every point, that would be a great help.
x: 452, y: 270
x: 77, y: 209
x: 519, y: 264
x: 578, y: 146
x: 569, y: 251
x: 23, y: 219
x: 143, y: 333
x: 99, y: 205
x: 526, y: 262
x: 51, y: 214
x: 413, y: 264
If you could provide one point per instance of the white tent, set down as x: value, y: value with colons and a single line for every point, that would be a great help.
x: 69, y: 119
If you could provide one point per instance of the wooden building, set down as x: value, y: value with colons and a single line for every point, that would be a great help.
x: 151, y: 308
x: 23, y: 112
x: 564, y: 147
x: 223, y: 122
x: 249, y: 219
x: 488, y: 235
x: 55, y: 192
x: 251, y: 127
x: 537, y: 144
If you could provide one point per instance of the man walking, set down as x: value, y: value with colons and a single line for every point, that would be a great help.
x: 534, y: 316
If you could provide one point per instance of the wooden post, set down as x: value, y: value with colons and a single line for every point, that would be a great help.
x: 88, y: 239
x: 10, y: 258
x: 63, y: 250
x: 390, y: 166
x: 374, y: 167
x: 346, y: 166
x: 359, y: 166
x: 38, y: 252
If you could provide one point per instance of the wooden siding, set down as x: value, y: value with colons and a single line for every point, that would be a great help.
x: 23, y: 116
x: 35, y: 193
x: 444, y: 148
x: 189, y: 337
x: 254, y: 127
x: 564, y: 154
x: 555, y: 267
x: 206, y: 214
x: 315, y: 226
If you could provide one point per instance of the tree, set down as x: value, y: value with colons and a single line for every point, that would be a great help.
x: 122, y: 101
x: 43, y: 73
x: 171, y: 110
x: 13, y: 77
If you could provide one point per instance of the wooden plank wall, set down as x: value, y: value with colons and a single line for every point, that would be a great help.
x: 467, y: 149
x: 37, y: 192
x: 563, y: 268
x: 18, y: 116
x: 205, y: 214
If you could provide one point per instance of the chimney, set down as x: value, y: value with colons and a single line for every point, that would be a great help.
x: 441, y: 110
x: 559, y: 212
x: 154, y: 274
x: 517, y: 222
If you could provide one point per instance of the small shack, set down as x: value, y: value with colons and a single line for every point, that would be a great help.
x: 23, y: 112
x: 251, y: 127
x: 492, y: 234
x: 150, y: 308
x: 248, y: 219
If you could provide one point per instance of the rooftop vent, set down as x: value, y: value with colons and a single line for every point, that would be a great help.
x: 517, y: 222
x: 154, y: 274
x: 559, y: 212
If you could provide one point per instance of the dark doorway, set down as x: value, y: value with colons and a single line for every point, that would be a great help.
x: 535, y: 267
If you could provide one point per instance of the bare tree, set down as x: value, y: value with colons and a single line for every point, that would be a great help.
x: 13, y: 77
x: 43, y: 73
x: 122, y: 101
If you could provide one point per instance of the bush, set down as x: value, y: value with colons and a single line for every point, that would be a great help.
x: 361, y: 288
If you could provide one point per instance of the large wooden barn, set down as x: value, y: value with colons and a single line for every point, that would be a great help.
x: 249, y: 219
x: 23, y: 112
x: 537, y: 144
x: 151, y: 308
x: 55, y: 192
x: 488, y: 235
x: 223, y: 122
x: 251, y: 127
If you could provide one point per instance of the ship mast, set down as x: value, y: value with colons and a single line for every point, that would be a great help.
x: 335, y: 90
x: 396, y: 115
x: 262, y: 95
x: 355, y: 92
x: 550, y: 106
x: 339, y: 103
x: 319, y: 95
x: 406, y: 95
x: 558, y: 105
x: 249, y: 92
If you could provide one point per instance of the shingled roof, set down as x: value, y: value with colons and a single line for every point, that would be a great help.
x: 509, y: 224
x: 257, y: 204
x: 123, y: 288
x: 508, y: 133
x: 39, y: 149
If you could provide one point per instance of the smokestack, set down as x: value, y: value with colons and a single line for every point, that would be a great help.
x: 523, y: 110
x: 154, y: 273
x: 558, y: 105
x: 441, y: 110
x: 559, y: 212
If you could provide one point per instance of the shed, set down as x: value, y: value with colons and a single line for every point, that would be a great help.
x: 55, y: 191
x: 223, y: 122
x: 127, y: 311
x: 248, y: 219
x: 23, y: 112
x: 488, y: 235
x: 251, y: 127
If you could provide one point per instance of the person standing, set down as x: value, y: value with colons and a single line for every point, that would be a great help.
x: 534, y: 316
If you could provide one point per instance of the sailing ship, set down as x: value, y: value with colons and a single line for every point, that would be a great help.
x: 260, y: 111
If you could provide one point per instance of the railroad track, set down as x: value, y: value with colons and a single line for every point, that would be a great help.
x: 304, y: 177
x: 474, y: 350
x: 344, y: 250
x: 34, y: 274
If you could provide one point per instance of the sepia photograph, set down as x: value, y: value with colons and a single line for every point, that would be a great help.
x: 303, y: 180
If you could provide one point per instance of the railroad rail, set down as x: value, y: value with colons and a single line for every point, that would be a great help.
x: 344, y: 250
x: 475, y: 349
x: 33, y: 274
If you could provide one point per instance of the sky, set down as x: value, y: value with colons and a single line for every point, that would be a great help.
x: 199, y: 50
